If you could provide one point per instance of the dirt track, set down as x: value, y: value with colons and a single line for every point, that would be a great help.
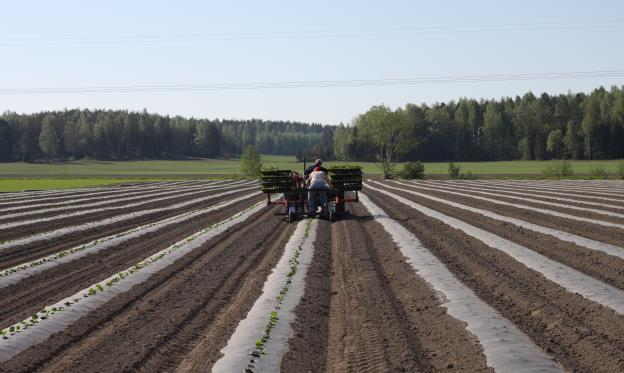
x: 364, y: 307
x: 381, y: 316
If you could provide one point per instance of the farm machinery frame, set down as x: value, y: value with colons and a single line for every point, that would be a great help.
x: 345, y: 180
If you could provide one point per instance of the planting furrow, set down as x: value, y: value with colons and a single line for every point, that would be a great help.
x: 581, y: 334
x: 267, y: 326
x: 589, y: 184
x: 40, y: 289
x: 614, y: 186
x: 32, y: 247
x: 611, y: 216
x: 161, y: 197
x: 612, y: 236
x: 505, y: 347
x: 26, y: 197
x: 108, y: 203
x: 571, y: 189
x: 602, y: 222
x: 365, y: 309
x: 547, y: 192
x: 198, y: 297
x: 17, y: 273
x: 558, y: 273
x: 40, y: 203
x: 511, y: 192
x: 594, y: 258
x: 33, y: 228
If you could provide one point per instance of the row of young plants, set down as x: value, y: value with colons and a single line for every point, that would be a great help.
x: 110, y: 282
x: 103, y: 205
x: 124, y: 195
x: 20, y: 223
x: 127, y: 235
x: 273, y: 316
x: 43, y: 195
x: 112, y: 220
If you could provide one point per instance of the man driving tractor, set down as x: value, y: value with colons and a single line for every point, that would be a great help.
x: 309, y: 170
x: 318, y: 183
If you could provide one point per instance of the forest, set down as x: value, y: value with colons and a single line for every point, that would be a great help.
x: 566, y: 126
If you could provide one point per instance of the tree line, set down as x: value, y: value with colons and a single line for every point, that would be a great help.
x: 120, y: 134
x: 566, y: 126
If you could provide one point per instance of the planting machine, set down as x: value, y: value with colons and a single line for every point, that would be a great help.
x: 345, y: 183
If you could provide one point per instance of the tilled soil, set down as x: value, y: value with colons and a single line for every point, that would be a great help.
x: 379, y: 315
x: 596, y: 232
x: 19, y: 254
x: 616, y: 207
x: 106, y: 202
x: 33, y: 228
x: 26, y: 203
x: 577, y: 194
x: 565, y: 210
x: 597, y: 264
x: 582, y: 335
x: 33, y: 293
x: 183, y: 312
x: 364, y: 308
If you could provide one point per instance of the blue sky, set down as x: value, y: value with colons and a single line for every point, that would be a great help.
x: 126, y: 43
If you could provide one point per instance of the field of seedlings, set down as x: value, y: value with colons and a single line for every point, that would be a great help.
x: 419, y: 276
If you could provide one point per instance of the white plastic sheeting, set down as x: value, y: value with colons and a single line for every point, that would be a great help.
x: 560, y: 274
x: 525, y: 207
x: 104, y: 222
x: 15, y: 274
x: 59, y: 321
x: 506, y: 348
x: 614, y: 250
x: 236, y: 354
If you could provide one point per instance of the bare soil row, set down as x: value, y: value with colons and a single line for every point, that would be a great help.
x: 19, y: 254
x: 541, y: 196
x: 33, y: 293
x: 365, y: 309
x: 181, y: 315
x: 597, y: 232
x: 121, y: 199
x: 580, y: 334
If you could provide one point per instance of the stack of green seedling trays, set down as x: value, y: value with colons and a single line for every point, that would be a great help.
x: 346, y: 178
x: 276, y: 181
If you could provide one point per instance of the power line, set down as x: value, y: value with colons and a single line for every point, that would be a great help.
x: 318, y: 83
x: 311, y: 34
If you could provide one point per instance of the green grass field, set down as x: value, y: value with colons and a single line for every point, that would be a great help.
x: 20, y: 176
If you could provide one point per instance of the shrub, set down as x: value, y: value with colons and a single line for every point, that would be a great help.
x: 251, y: 162
x: 598, y: 172
x: 412, y: 170
x: 453, y: 170
x: 558, y: 170
x: 620, y: 170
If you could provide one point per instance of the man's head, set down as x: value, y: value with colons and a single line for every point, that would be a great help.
x: 317, y: 168
x: 318, y: 162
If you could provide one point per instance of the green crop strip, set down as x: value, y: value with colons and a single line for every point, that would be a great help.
x: 274, y: 315
x: 110, y: 282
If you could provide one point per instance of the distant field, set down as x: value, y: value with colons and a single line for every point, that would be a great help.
x: 14, y: 185
x: 19, y: 176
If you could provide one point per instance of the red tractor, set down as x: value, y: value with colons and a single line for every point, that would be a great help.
x: 346, y: 181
